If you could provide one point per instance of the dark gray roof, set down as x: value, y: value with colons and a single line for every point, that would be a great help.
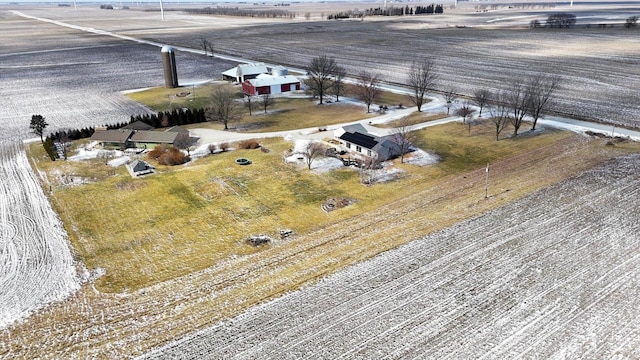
x: 159, y: 137
x: 178, y: 129
x: 138, y: 125
x: 120, y: 136
x: 366, y: 141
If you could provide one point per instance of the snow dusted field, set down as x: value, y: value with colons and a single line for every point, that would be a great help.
x: 599, y: 66
x: 36, y: 266
x: 553, y: 275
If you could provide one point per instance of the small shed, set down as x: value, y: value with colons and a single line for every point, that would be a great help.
x: 139, y: 168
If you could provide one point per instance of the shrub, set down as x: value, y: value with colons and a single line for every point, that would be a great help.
x: 156, y: 152
x: 168, y: 156
x: 248, y: 144
x: 224, y: 147
x: 50, y: 148
x: 212, y: 149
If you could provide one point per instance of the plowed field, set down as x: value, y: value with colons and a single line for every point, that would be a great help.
x: 553, y: 275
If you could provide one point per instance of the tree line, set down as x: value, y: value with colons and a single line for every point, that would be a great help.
x: 234, y: 11
x: 175, y: 117
x: 389, y: 11
x: 524, y: 97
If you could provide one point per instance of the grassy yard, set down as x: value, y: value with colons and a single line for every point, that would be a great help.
x: 187, y: 218
x: 163, y: 99
x: 287, y: 113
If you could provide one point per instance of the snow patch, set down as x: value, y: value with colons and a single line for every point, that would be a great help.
x: 421, y: 158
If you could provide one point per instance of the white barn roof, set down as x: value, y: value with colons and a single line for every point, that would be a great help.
x: 246, y: 69
x: 269, y: 80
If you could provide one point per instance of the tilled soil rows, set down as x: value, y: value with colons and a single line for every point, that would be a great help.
x: 551, y: 275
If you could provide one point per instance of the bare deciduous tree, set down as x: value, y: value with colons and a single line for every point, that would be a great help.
x: 338, y: 86
x: 465, y: 111
x: 319, y: 72
x: 312, y: 151
x: 450, y: 97
x: 421, y: 77
x: 539, y: 92
x: 500, y: 114
x: 205, y: 45
x: 481, y: 98
x: 185, y: 142
x: 403, y: 136
x: 517, y: 100
x: 210, y: 47
x: 369, y: 170
x: 368, y: 88
x: 248, y: 103
x: 224, y: 107
x: 62, y: 138
x: 266, y: 100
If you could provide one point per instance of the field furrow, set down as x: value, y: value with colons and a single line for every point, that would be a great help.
x: 552, y: 283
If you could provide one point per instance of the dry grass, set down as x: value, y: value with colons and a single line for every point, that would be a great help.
x: 163, y: 99
x: 187, y: 218
x: 428, y: 199
x: 286, y: 114
x: 297, y: 113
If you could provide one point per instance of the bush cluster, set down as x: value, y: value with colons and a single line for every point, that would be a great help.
x: 248, y: 144
x: 168, y: 155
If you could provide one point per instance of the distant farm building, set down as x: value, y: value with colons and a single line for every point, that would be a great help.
x: 357, y: 140
x: 244, y: 72
x: 270, y: 84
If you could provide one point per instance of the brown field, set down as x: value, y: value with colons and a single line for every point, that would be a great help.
x: 599, y: 66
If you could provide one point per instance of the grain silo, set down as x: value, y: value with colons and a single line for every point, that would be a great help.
x: 169, y: 65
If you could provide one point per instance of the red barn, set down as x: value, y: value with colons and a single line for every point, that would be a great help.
x: 270, y: 84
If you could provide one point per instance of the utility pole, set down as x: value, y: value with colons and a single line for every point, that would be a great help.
x: 486, y: 183
x: 161, y: 10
